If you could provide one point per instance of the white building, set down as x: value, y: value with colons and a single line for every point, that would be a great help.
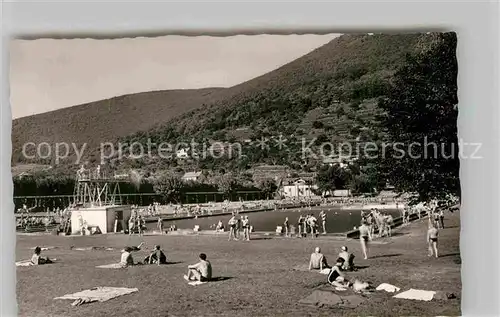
x: 334, y: 161
x: 191, y: 176
x: 100, y: 218
x: 298, y: 189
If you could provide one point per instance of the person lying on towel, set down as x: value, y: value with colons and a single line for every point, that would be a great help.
x: 36, y: 259
x: 156, y: 257
x: 201, y: 271
x: 318, y: 260
x: 336, y: 277
x: 348, y: 259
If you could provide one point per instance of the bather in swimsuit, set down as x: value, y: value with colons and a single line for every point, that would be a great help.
x: 333, y: 275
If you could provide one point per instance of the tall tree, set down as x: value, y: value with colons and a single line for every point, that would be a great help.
x: 421, y: 121
x: 268, y: 186
x: 332, y: 177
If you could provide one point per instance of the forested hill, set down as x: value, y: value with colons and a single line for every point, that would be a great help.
x: 330, y: 93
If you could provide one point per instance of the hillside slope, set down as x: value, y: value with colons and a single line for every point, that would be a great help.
x: 105, y: 120
x: 330, y: 95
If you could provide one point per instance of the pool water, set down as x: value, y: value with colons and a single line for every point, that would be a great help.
x: 337, y: 220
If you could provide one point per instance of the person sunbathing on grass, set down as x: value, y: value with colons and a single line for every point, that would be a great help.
x: 336, y: 277
x: 201, y: 271
x: 318, y: 260
x: 36, y: 259
x: 156, y: 257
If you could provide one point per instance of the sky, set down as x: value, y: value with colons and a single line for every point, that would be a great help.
x: 49, y: 74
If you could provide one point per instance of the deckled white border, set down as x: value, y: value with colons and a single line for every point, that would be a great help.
x: 478, y: 34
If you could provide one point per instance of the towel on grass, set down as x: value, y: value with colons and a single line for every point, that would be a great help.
x: 98, y: 294
x: 196, y: 283
x: 44, y: 248
x: 305, y: 268
x: 388, y: 288
x: 111, y: 266
x: 193, y: 283
x: 416, y: 294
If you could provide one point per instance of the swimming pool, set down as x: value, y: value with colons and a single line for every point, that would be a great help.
x: 337, y: 220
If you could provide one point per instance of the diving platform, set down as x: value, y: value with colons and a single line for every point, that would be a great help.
x: 95, y: 189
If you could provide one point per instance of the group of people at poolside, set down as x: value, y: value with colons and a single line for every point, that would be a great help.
x: 308, y: 224
x: 202, y: 271
x: 236, y: 226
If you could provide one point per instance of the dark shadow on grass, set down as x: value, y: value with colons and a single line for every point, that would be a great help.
x: 173, y: 262
x: 220, y: 278
x: 261, y: 238
x: 449, y: 254
x: 451, y: 227
x: 361, y: 267
x: 385, y: 256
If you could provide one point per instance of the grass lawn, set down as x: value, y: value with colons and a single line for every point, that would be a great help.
x: 261, y: 282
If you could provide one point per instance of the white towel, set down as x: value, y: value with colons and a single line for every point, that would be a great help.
x: 111, y: 266
x: 193, y: 283
x: 416, y: 294
x: 45, y: 248
x: 196, y: 283
x: 388, y: 288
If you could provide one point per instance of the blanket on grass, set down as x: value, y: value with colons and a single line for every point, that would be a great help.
x: 111, y: 266
x: 24, y: 263
x: 416, y: 294
x: 28, y: 262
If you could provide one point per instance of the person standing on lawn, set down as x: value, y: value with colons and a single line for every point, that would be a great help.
x: 232, y: 228
x: 322, y: 215
x: 246, y: 228
x: 432, y: 239
x: 441, y: 218
x: 364, y: 238
x: 160, y: 225
x: 286, y: 226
